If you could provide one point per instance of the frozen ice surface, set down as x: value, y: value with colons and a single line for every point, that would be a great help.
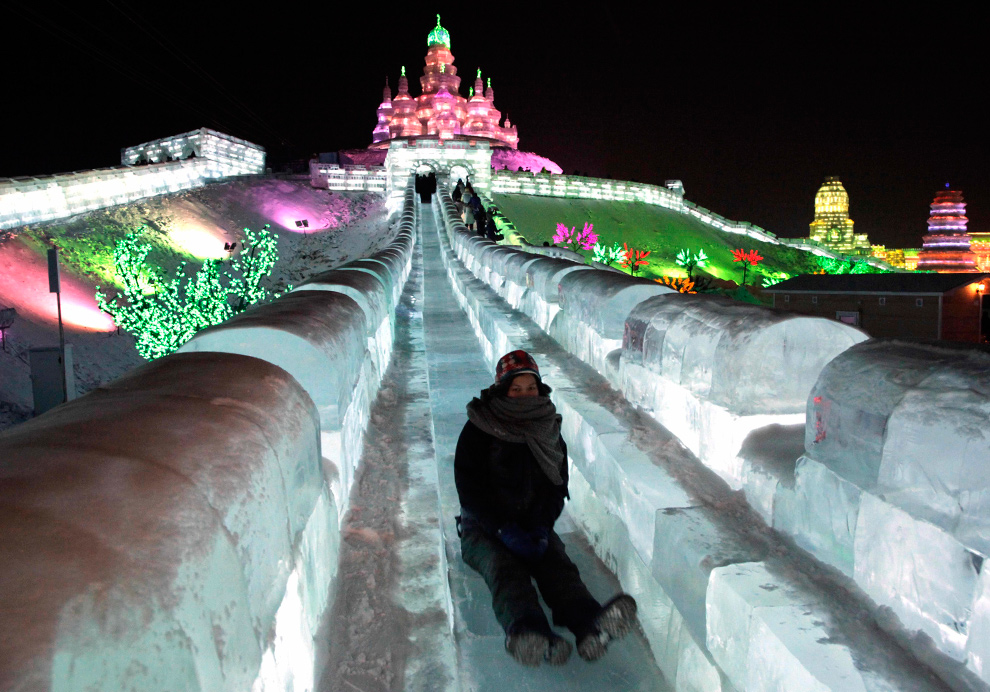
x: 167, y: 527
x: 911, y: 422
x: 821, y: 514
x: 459, y: 369
x: 921, y: 572
x: 317, y: 336
x: 602, y: 300
x: 766, y: 636
x: 688, y: 545
x: 748, y: 359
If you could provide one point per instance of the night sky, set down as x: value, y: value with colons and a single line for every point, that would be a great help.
x: 750, y: 108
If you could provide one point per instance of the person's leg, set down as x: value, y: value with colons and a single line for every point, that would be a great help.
x: 560, y: 584
x: 594, y: 626
x: 513, y: 596
x: 528, y: 637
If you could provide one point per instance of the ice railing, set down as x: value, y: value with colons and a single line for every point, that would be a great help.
x: 179, y: 527
x: 735, y: 383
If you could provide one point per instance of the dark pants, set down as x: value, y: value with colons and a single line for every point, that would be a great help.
x: 510, y: 579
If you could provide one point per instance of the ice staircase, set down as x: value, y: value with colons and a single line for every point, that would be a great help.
x: 272, y: 508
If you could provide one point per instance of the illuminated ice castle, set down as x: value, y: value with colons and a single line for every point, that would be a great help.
x: 440, y: 110
x: 946, y: 245
x: 832, y: 226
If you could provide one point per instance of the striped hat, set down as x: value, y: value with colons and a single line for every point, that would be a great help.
x: 515, y: 363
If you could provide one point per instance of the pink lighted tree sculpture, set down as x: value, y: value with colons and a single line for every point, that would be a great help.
x: 569, y: 238
x: 748, y: 258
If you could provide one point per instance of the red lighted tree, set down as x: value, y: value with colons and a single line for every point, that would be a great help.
x: 748, y: 258
x: 631, y: 259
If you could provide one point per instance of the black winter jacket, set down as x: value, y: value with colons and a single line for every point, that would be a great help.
x: 500, y: 483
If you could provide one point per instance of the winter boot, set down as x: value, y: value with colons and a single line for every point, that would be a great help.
x: 531, y: 644
x: 614, y: 621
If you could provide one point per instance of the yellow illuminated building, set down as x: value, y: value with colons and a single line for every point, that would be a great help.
x: 832, y: 226
x: 979, y: 243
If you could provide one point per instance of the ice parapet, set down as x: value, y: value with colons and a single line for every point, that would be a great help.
x: 746, y: 358
x: 317, y: 336
x: 910, y: 422
x: 152, y: 549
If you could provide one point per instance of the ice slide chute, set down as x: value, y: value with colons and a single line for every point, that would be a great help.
x: 200, y: 592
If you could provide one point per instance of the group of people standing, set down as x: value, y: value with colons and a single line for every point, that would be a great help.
x: 473, y: 212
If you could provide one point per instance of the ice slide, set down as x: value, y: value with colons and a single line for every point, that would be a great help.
x: 179, y: 529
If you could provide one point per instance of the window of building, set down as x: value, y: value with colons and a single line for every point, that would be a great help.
x: 787, y: 299
x: 814, y: 299
x: 919, y: 302
x: 847, y: 317
x: 883, y: 300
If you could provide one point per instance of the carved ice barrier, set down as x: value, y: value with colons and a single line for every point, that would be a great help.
x: 153, y: 527
x: 594, y: 306
x: 178, y: 528
x: 894, y: 487
x: 713, y: 371
x: 320, y: 338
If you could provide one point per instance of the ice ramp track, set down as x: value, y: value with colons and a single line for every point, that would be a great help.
x: 272, y: 509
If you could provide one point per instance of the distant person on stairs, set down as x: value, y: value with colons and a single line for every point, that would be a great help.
x: 511, y: 473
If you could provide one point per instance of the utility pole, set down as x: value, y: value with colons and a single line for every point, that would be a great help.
x: 54, y: 286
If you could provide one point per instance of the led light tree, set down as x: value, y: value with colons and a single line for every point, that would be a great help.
x: 748, y: 258
x: 606, y: 255
x: 677, y: 283
x: 164, y: 312
x: 585, y: 239
x: 689, y: 261
x: 633, y: 259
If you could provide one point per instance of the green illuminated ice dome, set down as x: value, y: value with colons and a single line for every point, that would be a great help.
x: 439, y: 36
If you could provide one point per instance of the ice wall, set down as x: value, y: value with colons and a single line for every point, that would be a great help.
x: 176, y: 163
x: 721, y: 611
x: 545, y: 184
x: 897, y: 464
x: 151, y: 527
x: 178, y: 529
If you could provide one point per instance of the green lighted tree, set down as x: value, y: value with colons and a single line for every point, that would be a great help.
x: 163, y: 312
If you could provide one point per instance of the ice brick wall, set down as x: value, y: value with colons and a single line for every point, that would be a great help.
x: 545, y: 184
x: 178, y: 529
x: 720, y: 613
x: 897, y: 464
x: 335, y: 177
x: 205, y: 155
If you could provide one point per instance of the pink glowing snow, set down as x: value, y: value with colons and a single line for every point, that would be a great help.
x: 24, y: 284
x: 513, y: 160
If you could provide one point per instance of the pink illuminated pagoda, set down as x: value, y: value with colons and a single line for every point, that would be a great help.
x: 440, y: 110
x: 947, y: 244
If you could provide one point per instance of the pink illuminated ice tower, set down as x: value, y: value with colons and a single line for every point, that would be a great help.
x: 440, y: 110
x: 946, y: 245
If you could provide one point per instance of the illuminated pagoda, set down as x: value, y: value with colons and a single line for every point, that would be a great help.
x: 440, y: 110
x: 832, y: 226
x: 946, y: 246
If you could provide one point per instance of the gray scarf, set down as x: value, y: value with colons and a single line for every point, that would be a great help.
x: 531, y: 419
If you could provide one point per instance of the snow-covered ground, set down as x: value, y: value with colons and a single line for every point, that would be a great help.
x: 208, y: 216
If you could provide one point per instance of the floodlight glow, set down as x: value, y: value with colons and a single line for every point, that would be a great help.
x: 24, y: 285
x: 199, y: 242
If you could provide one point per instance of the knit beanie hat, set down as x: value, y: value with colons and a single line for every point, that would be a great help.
x: 515, y: 363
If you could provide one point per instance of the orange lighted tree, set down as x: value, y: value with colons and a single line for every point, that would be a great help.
x: 631, y: 259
